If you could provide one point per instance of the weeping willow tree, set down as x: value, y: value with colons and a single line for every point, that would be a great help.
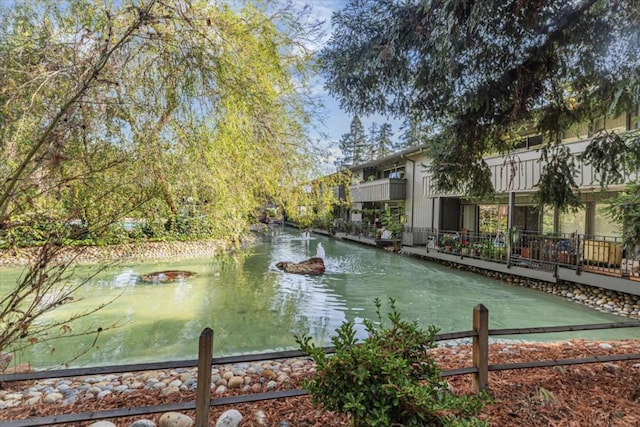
x: 142, y: 109
x: 316, y: 201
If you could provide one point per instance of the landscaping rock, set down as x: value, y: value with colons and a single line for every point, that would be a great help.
x: 143, y: 423
x: 175, y: 419
x: 230, y: 418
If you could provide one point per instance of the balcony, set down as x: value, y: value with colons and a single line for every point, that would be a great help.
x: 379, y: 190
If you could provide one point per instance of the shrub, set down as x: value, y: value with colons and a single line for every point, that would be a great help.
x: 389, y: 379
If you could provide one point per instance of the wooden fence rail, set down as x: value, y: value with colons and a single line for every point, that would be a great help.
x: 481, y: 367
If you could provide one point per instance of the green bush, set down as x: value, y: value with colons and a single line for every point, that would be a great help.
x: 389, y: 379
x: 188, y: 228
x: 29, y: 230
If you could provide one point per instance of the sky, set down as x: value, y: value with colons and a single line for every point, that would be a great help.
x: 337, y: 121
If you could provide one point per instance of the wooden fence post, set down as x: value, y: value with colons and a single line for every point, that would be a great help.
x: 203, y: 392
x: 481, y: 348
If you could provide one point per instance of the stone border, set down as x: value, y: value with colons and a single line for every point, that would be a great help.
x: 129, y: 251
x: 604, y: 300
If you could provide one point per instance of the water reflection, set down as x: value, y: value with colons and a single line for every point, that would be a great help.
x: 252, y: 306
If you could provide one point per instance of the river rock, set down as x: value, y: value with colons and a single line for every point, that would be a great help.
x: 53, y: 397
x: 313, y: 265
x: 235, y: 382
x: 175, y: 419
x: 230, y: 418
x: 170, y: 390
x: 143, y: 423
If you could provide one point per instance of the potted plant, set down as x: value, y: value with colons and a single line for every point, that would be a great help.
x: 487, y: 249
x: 464, y: 248
x: 391, y: 223
x: 449, y: 244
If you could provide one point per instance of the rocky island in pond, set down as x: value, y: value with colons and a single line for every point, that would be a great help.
x: 166, y: 276
x: 313, y: 265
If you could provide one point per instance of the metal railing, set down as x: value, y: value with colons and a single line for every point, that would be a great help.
x: 597, y: 254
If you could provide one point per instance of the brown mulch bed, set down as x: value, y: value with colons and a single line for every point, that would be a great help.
x: 598, y: 394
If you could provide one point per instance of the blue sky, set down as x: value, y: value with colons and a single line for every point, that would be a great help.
x: 337, y: 121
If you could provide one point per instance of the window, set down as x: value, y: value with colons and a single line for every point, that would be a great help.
x: 532, y: 141
x: 572, y: 222
x: 603, y: 225
x: 548, y: 219
x: 528, y: 141
x: 493, y: 218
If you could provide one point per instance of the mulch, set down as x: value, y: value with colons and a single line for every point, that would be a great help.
x: 598, y: 394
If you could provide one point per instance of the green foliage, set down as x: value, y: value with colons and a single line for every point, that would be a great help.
x: 557, y: 186
x: 487, y: 250
x: 613, y: 155
x: 315, y: 202
x: 479, y: 69
x: 24, y: 235
x: 391, y: 221
x: 625, y: 210
x: 354, y: 145
x: 450, y: 242
x: 194, y: 111
x: 388, y: 379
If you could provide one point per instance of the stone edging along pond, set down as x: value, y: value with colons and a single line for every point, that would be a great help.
x: 600, y: 299
x: 128, y: 251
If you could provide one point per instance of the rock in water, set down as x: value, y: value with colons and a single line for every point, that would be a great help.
x: 313, y: 265
x: 167, y: 276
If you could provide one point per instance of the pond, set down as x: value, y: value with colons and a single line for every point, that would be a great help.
x: 254, y: 307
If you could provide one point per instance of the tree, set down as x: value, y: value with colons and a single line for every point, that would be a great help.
x: 383, y: 144
x: 372, y: 141
x: 316, y: 201
x: 481, y: 69
x: 131, y: 109
x: 414, y: 133
x: 354, y: 144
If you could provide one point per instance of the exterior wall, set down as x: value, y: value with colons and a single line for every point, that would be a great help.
x: 422, y: 215
x: 410, y: 201
x: 517, y: 173
x: 522, y: 171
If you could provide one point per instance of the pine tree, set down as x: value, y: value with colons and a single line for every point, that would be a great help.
x: 354, y: 143
x: 384, y: 145
x: 414, y: 133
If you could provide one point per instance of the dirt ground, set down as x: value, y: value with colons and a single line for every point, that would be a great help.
x: 597, y: 394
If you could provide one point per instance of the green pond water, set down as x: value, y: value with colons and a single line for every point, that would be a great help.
x: 254, y: 307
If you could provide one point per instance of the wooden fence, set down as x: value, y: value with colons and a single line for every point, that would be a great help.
x: 479, y: 334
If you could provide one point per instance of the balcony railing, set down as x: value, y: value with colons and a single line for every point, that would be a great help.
x: 596, y: 254
x: 380, y: 190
